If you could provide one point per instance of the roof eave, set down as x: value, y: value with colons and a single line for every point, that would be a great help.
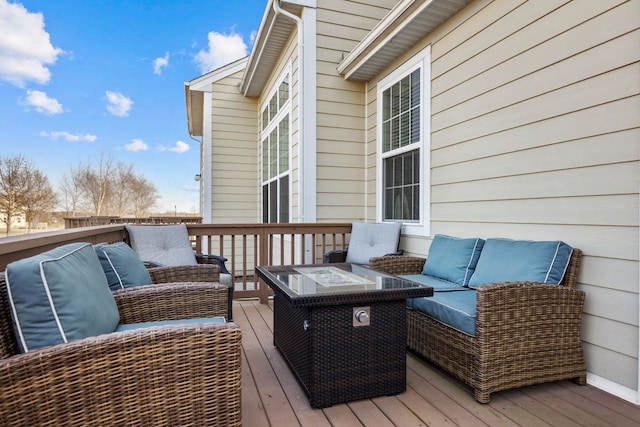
x: 405, y: 25
x: 270, y: 40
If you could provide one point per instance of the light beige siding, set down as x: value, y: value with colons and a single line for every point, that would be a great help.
x: 535, y: 134
x: 341, y: 123
x: 234, y: 154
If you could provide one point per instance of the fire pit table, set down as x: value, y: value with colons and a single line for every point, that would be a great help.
x: 341, y: 329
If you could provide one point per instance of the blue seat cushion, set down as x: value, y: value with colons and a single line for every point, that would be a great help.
x: 453, y: 259
x: 195, y: 321
x: 59, y: 296
x: 122, y: 266
x: 504, y: 260
x: 438, y: 285
x: 455, y: 309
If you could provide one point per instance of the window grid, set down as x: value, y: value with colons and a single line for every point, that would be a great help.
x: 275, y: 155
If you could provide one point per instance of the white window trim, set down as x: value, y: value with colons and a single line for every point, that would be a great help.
x: 423, y: 60
x: 285, y: 110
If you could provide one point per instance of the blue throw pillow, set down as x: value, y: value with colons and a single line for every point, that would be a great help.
x: 453, y: 259
x: 59, y: 296
x: 504, y: 260
x: 122, y: 266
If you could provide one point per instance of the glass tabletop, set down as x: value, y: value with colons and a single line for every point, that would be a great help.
x: 333, y: 279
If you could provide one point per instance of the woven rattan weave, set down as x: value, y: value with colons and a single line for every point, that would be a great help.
x: 159, y: 376
x: 334, y: 360
x: 526, y: 333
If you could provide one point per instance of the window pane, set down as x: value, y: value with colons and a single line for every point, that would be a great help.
x: 402, y: 187
x: 283, y: 145
x: 283, y: 91
x: 401, y: 113
x: 284, y: 199
x: 265, y: 159
x: 273, y: 153
x: 273, y: 106
x: 273, y: 201
x: 265, y: 117
x: 265, y: 203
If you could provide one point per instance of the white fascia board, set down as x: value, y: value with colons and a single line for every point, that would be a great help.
x: 204, y: 82
x: 304, y: 3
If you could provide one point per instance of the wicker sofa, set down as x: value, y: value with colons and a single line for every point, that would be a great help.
x: 185, y: 372
x: 524, y: 332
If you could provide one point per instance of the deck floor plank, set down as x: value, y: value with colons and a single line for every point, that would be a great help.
x: 272, y: 396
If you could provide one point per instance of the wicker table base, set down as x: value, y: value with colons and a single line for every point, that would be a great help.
x: 336, y: 362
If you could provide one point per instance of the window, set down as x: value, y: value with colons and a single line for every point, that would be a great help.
x: 275, y: 139
x: 403, y: 145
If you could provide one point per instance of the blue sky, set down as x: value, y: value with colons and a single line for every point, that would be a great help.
x: 83, y: 79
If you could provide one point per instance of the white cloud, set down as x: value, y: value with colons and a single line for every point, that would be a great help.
x: 71, y: 137
x: 180, y: 147
x: 222, y: 49
x: 160, y: 63
x: 41, y: 103
x: 118, y: 104
x: 25, y: 47
x: 136, y: 145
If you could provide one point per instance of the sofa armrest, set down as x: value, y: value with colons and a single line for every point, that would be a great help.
x: 523, y: 325
x: 185, y: 273
x: 213, y: 259
x: 165, y: 375
x: 170, y: 301
x: 334, y: 256
x: 397, y: 264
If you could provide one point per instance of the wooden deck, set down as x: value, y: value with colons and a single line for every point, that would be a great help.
x: 271, y: 396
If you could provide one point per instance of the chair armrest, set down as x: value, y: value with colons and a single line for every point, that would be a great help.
x: 165, y: 375
x: 213, y: 259
x: 185, y: 273
x: 334, y: 256
x: 397, y: 264
x: 530, y: 317
x: 170, y: 301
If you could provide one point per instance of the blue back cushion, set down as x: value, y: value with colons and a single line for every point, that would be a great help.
x: 59, y: 296
x: 504, y: 260
x: 453, y: 259
x: 122, y: 266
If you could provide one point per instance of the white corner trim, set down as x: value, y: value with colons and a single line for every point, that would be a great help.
x: 613, y: 388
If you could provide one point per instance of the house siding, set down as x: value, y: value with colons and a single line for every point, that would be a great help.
x: 535, y: 135
x: 341, y: 123
x: 234, y: 131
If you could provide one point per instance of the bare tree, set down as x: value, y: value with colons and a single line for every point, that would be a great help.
x: 96, y: 183
x: 23, y: 190
x: 39, y: 200
x: 70, y: 193
x: 123, y: 179
x: 143, y: 195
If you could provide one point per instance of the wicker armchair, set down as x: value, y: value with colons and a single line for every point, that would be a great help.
x: 160, y: 376
x: 178, y: 263
x: 526, y: 333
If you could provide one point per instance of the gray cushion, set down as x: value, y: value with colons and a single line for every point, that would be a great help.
x: 504, y: 260
x: 164, y: 244
x: 372, y: 239
x: 452, y: 258
x: 59, y: 296
x: 122, y: 266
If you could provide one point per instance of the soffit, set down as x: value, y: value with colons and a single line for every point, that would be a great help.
x: 403, y: 27
x: 270, y: 41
